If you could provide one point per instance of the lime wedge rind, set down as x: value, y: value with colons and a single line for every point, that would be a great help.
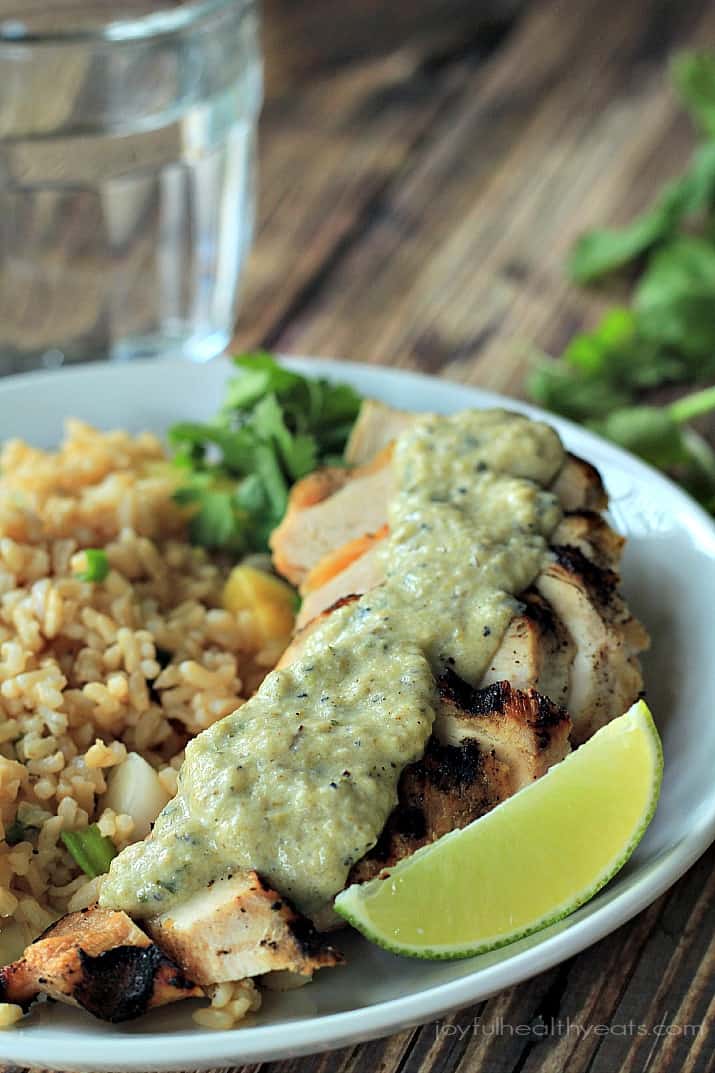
x: 352, y: 903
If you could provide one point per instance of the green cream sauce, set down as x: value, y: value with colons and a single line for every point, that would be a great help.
x: 298, y: 783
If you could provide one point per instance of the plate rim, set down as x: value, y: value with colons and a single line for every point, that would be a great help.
x: 201, y: 1049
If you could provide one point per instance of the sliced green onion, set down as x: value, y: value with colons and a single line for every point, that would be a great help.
x: 92, y: 850
x: 97, y: 565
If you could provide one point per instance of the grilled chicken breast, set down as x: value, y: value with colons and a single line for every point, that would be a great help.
x: 574, y: 640
x: 101, y: 960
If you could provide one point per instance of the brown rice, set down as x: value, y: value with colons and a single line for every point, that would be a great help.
x: 88, y: 671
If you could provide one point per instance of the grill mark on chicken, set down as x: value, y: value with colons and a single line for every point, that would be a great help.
x: 446, y: 789
x: 592, y: 535
x: 487, y: 744
x: 535, y: 651
x: 543, y: 714
x: 312, y: 944
x: 579, y: 485
x: 601, y: 581
x: 539, y: 611
x: 100, y: 960
x: 240, y: 927
x: 118, y: 985
x: 526, y: 730
x: 605, y: 676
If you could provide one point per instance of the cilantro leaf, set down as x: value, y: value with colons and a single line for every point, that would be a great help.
x: 676, y: 298
x: 298, y: 452
x: 215, y: 525
x: 577, y: 395
x: 648, y: 431
x: 667, y: 335
x: 658, y: 435
x: 261, y: 375
x: 602, y: 251
x: 601, y: 371
x: 274, y: 427
x: 693, y: 74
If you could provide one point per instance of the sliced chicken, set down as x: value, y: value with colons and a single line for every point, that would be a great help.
x: 448, y: 788
x: 100, y: 960
x: 333, y: 508
x: 486, y: 745
x: 536, y: 652
x: 310, y: 532
x: 592, y: 535
x: 526, y: 730
x: 575, y: 641
x: 360, y: 576
x: 377, y: 425
x: 605, y: 676
x: 357, y: 567
x: 239, y: 927
x: 339, y: 561
x: 319, y: 485
x: 579, y: 486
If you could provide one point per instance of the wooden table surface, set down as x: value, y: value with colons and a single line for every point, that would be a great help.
x: 425, y: 167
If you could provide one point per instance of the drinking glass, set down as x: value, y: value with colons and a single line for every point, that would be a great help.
x: 127, y: 176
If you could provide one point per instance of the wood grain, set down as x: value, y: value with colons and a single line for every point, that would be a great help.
x: 459, y: 254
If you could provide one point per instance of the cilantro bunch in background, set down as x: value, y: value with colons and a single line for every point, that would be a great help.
x: 275, y: 427
x: 666, y: 335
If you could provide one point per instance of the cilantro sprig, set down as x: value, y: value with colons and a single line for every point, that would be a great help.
x: 274, y: 427
x: 666, y: 335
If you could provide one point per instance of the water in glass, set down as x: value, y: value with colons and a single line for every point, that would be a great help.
x: 127, y: 155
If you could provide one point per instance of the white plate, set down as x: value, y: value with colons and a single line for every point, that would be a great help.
x: 670, y: 582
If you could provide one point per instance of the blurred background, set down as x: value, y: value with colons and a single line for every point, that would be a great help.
x: 426, y: 169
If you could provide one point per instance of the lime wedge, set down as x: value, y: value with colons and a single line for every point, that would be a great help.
x: 531, y: 861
